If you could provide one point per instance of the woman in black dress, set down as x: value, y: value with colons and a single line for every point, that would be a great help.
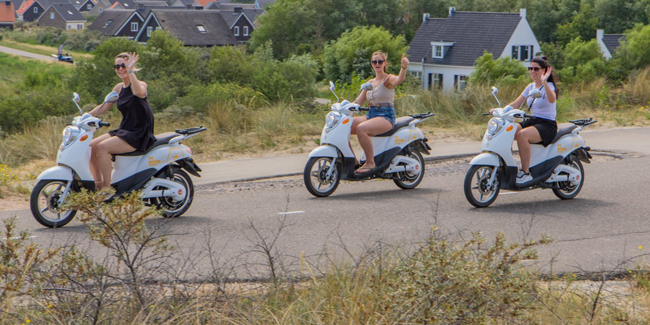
x: 136, y: 129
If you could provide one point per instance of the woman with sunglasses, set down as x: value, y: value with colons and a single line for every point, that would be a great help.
x: 381, y: 114
x: 136, y: 128
x: 541, y: 128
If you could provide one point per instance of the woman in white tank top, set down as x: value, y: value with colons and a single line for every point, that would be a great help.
x: 381, y: 116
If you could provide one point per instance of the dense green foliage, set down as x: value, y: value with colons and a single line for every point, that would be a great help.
x: 351, y: 53
x: 502, y: 70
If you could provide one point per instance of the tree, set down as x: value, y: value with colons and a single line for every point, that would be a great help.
x: 583, y: 61
x: 350, y: 54
x: 502, y: 70
x: 583, y: 25
x: 633, y: 53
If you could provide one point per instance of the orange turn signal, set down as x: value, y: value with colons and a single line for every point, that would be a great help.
x: 509, y: 128
x: 346, y: 121
x: 83, y: 137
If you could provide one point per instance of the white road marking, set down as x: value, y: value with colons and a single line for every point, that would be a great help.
x: 508, y: 193
x: 291, y: 212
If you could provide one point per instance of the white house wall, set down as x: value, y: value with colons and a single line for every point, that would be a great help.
x: 523, y: 35
x: 448, y: 73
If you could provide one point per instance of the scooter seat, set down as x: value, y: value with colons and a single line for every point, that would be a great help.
x: 563, y: 129
x: 161, y: 139
x: 399, y: 123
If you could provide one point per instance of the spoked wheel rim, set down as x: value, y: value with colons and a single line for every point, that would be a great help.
x: 480, y: 191
x: 318, y: 175
x: 174, y: 208
x: 410, y: 180
x: 47, y: 202
x: 566, y: 190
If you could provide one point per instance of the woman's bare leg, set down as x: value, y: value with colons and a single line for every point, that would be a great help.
x: 365, y: 130
x: 113, y: 145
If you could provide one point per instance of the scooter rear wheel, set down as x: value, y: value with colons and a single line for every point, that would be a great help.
x: 566, y: 190
x: 171, y: 208
x: 407, y: 180
x: 476, y: 186
x: 315, y: 176
x: 44, y: 203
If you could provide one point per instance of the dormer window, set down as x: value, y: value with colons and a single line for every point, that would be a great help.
x: 439, y: 49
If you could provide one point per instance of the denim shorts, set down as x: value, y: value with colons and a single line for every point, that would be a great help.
x: 387, y: 112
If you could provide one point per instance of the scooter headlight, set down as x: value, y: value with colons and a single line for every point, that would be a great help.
x: 495, y: 125
x: 332, y: 120
x: 69, y: 135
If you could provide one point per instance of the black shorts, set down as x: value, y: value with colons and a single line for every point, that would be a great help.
x: 547, y: 128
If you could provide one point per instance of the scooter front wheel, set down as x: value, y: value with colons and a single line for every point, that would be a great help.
x: 316, y: 179
x: 476, y: 186
x: 44, y: 203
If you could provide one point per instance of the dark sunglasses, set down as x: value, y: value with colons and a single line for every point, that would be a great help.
x: 378, y: 61
x: 534, y: 68
x: 121, y: 65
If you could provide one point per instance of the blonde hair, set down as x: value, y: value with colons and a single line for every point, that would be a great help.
x: 383, y: 56
x: 126, y: 57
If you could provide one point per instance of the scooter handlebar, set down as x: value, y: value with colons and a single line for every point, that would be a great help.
x: 104, y: 124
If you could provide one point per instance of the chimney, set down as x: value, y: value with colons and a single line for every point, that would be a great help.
x: 451, y: 11
x: 425, y: 18
x: 7, y: 3
x: 522, y: 13
x: 139, y: 7
x: 600, y: 33
x: 238, y: 10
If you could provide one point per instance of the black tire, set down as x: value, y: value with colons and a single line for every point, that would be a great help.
x: 44, y: 203
x: 475, y: 186
x: 171, y: 208
x: 408, y: 181
x: 566, y: 190
x: 315, y: 178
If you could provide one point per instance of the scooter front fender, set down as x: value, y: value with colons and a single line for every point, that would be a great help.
x: 486, y: 159
x: 58, y: 172
x: 324, y: 151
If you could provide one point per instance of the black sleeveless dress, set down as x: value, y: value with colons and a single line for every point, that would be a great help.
x: 136, y: 127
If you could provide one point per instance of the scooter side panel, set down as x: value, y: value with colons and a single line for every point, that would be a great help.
x: 339, y: 137
x: 324, y: 151
x: 539, y: 154
x: 70, y: 155
x: 57, y: 172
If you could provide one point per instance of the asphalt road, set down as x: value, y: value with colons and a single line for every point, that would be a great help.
x: 11, y: 51
x: 229, y: 224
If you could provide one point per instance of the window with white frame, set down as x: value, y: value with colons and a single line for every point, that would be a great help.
x: 236, y: 30
x: 245, y: 30
x: 101, y: 10
x: 134, y: 26
x: 435, y: 81
x: 438, y: 52
x: 89, y: 7
x: 51, y: 15
x: 80, y: 26
x: 35, y: 10
x: 522, y: 52
x: 201, y: 29
x: 416, y: 74
x: 460, y: 82
x: 439, y: 49
x: 149, y: 30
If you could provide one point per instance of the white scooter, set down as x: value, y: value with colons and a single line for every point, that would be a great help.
x: 158, y: 173
x: 397, y: 152
x: 557, y: 166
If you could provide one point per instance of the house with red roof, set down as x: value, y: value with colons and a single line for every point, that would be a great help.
x: 7, y: 15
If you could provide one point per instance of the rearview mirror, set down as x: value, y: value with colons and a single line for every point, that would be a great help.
x: 111, y: 97
x: 75, y: 97
x: 495, y: 91
x: 332, y: 87
x: 535, y: 93
x: 366, y: 86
